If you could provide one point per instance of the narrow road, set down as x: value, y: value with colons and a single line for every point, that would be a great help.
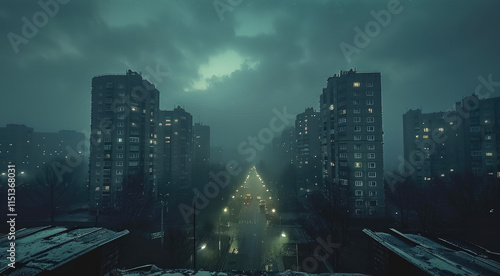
x: 252, y: 243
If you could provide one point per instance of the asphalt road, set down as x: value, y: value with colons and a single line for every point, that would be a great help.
x: 253, y: 242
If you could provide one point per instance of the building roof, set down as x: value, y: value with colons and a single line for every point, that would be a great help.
x: 46, y: 248
x: 433, y: 257
x: 151, y: 270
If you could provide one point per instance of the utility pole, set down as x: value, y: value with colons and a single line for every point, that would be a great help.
x: 297, y: 253
x: 162, y: 233
x: 194, y: 236
x: 219, y: 235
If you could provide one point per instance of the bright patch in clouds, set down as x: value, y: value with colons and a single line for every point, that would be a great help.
x: 219, y: 66
x: 248, y: 26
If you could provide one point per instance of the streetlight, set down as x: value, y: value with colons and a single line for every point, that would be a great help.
x: 220, y: 222
x: 203, y: 246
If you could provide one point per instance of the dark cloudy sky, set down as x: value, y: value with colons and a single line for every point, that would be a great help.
x: 231, y: 68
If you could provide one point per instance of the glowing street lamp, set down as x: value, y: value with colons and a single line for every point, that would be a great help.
x: 203, y: 246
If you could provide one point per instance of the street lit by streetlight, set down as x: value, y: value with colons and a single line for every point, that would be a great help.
x: 225, y: 210
x: 274, y: 210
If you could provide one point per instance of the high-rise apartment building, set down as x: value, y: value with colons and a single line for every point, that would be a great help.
x: 308, y: 151
x: 16, y: 147
x: 29, y: 150
x: 123, y: 139
x: 464, y: 140
x: 201, y: 153
x: 352, y: 142
x: 431, y: 146
x: 175, y: 136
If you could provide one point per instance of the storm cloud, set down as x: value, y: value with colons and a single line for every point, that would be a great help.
x: 229, y: 63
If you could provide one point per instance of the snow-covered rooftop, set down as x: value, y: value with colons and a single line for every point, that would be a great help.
x: 433, y: 257
x: 45, y: 248
x: 155, y: 271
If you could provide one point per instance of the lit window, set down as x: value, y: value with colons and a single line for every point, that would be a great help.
x: 358, y: 164
x: 426, y: 129
x: 331, y: 107
x: 356, y: 84
x: 425, y: 136
x: 441, y: 129
x: 489, y: 154
x: 370, y: 110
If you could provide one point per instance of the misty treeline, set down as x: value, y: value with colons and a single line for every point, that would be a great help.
x: 460, y: 202
x: 52, y: 189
